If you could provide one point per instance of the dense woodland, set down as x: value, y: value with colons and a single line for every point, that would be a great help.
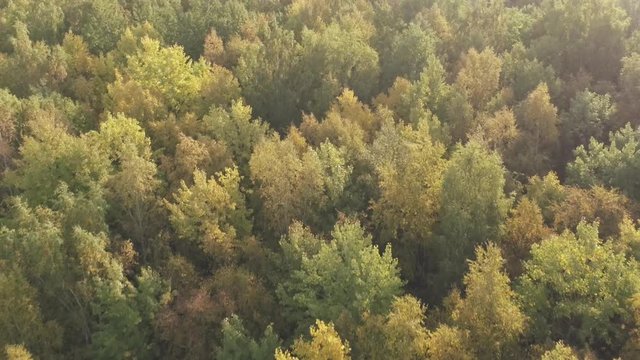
x: 320, y: 179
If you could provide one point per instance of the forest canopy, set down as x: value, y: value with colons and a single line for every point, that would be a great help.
x: 320, y: 179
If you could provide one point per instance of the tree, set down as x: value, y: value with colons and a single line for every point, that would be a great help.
x: 410, y: 167
x: 298, y: 183
x: 400, y: 334
x: 523, y: 74
x: 448, y: 342
x: 479, y: 76
x: 268, y: 71
x: 51, y: 156
x: 211, y: 214
x: 577, y: 288
x: 524, y: 228
x: 21, y: 319
x: 489, y: 311
x: 538, y: 123
x: 17, y: 352
x: 629, y: 84
x: 325, y: 343
x: 238, y: 345
x: 345, y: 277
x: 546, y: 192
x: 237, y: 131
x: 559, y: 352
x: 588, y: 117
x: 613, y: 165
x: 498, y: 131
x: 165, y: 78
x: 31, y: 65
x: 44, y: 19
x: 607, y: 207
x: 9, y: 127
x: 409, y: 54
x: 581, y: 34
x: 472, y: 211
x: 336, y: 57
x: 126, y: 317
x: 132, y: 183
x: 99, y: 22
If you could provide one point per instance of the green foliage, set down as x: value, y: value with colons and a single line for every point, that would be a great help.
x: 337, y: 58
x: 577, y: 288
x: 410, y: 52
x: 559, y: 352
x: 588, y: 116
x: 539, y: 136
x: 170, y: 167
x: 165, y: 75
x: 237, y: 130
x: 581, y: 34
x: 410, y: 168
x: 629, y: 84
x: 346, y: 276
x: 400, y: 334
x: 314, y: 179
x: 51, y: 156
x: 472, y: 211
x: 21, y: 318
x: 489, y: 311
x: 211, y: 214
x: 610, y: 165
x: 237, y: 345
x: 325, y: 343
x: 99, y: 22
x: 479, y: 77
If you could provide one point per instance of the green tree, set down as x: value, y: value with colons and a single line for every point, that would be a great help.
x: 613, y: 165
x: 539, y: 136
x: 237, y: 130
x: 472, y: 211
x: 132, y: 184
x: 346, y: 276
x: 325, y: 343
x: 268, y: 71
x: 164, y: 79
x: 211, y: 214
x: 99, y: 22
x: 448, y: 342
x: 50, y: 156
x: 336, y: 57
x: 238, y: 345
x: 296, y: 182
x: 489, y: 311
x: 629, y: 89
x: 21, y: 319
x: 559, y: 352
x: 588, y: 116
x: 546, y: 192
x: 31, y: 65
x: 523, y: 74
x: 410, y: 167
x: 581, y: 34
x: 577, y: 288
x: 409, y: 54
x: 524, y: 228
x: 400, y: 334
x: 479, y: 76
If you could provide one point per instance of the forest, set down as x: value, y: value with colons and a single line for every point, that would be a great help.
x: 320, y: 179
